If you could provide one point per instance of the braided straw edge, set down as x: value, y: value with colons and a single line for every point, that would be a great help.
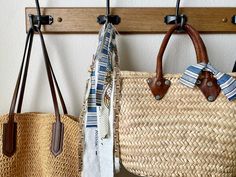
x: 81, y: 146
x: 133, y: 74
x: 82, y: 131
x: 117, y: 111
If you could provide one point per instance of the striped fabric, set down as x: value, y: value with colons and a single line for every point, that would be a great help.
x: 106, y: 65
x: 105, y: 61
x: 225, y: 81
x: 105, y: 96
x: 99, y: 118
x: 92, y: 108
x: 99, y: 77
x: 191, y: 75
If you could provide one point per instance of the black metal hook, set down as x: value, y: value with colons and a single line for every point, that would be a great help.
x: 108, y: 8
x: 31, y: 20
x: 177, y: 18
x: 233, y: 19
x: 114, y: 19
x: 177, y: 8
x: 39, y: 20
x: 38, y: 13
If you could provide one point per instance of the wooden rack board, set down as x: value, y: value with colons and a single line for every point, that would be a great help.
x: 136, y: 20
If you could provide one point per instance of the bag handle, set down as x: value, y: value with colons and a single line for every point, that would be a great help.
x: 159, y: 85
x: 196, y: 39
x: 9, y: 134
x: 58, y: 126
x: 22, y: 90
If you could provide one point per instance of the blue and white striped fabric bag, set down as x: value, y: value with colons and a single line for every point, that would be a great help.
x: 99, y: 117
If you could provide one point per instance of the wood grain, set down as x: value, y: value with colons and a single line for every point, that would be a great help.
x: 136, y: 20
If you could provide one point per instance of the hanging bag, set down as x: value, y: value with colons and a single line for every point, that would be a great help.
x: 167, y: 129
x: 39, y: 144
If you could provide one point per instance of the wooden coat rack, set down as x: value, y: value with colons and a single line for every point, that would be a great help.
x: 135, y: 20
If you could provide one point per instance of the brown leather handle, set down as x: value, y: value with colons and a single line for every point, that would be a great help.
x: 196, y: 39
x: 9, y: 134
x: 9, y: 129
x: 58, y: 126
x: 25, y: 66
x: 23, y: 84
x: 159, y: 85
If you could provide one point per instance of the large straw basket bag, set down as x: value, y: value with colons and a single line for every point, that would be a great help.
x: 167, y: 129
x: 39, y: 144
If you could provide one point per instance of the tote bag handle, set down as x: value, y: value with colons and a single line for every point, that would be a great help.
x: 159, y: 85
x: 10, y: 128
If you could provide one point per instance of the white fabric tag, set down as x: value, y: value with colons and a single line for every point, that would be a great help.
x: 91, y: 166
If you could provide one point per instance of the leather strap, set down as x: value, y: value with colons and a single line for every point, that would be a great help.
x: 9, y: 130
x: 58, y: 127
x: 207, y: 83
x: 27, y: 51
x: 159, y: 85
x: 9, y: 139
x: 196, y: 39
x: 22, y: 90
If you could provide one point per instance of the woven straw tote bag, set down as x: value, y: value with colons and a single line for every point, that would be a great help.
x: 167, y: 129
x: 39, y: 144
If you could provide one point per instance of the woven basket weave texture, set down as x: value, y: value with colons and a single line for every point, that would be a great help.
x: 181, y: 135
x: 33, y: 157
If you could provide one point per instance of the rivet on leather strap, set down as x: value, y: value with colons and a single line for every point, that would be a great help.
x: 208, y: 86
x: 158, y: 87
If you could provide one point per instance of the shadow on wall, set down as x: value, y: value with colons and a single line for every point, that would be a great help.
x: 125, y: 173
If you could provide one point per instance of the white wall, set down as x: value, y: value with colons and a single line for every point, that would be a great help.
x: 71, y: 54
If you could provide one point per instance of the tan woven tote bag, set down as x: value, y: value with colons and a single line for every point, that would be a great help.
x: 180, y: 133
x: 39, y: 144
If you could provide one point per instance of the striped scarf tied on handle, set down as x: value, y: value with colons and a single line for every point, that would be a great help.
x: 226, y: 82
